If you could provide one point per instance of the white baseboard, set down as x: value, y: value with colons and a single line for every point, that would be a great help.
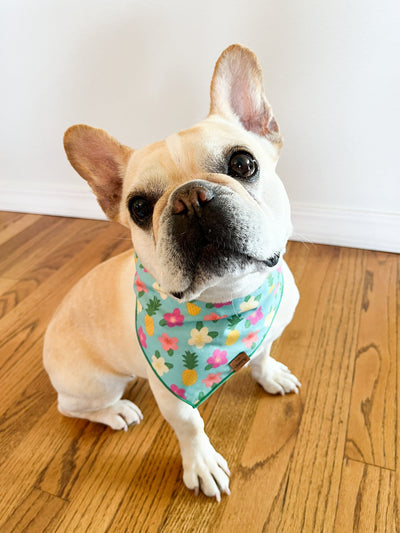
x: 319, y: 224
x: 373, y: 230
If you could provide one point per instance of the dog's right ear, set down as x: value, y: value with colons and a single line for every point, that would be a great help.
x: 101, y: 160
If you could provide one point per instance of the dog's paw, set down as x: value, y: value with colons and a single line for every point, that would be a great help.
x: 276, y: 378
x: 118, y: 416
x: 206, y: 470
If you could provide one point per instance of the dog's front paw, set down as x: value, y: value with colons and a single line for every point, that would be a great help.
x: 275, y: 377
x: 118, y: 416
x: 206, y: 470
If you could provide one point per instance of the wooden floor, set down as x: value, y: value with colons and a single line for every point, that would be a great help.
x: 324, y: 460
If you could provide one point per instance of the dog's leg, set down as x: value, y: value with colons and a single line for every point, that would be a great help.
x: 118, y: 415
x: 203, y: 467
x: 272, y: 375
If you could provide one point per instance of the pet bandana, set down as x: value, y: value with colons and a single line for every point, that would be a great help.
x: 194, y: 347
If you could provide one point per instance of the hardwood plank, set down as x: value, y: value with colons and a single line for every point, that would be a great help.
x: 371, y: 435
x: 5, y: 284
x: 37, y: 513
x: 112, y: 463
x: 25, y: 242
x: 69, y: 240
x: 307, y: 502
x: 12, y: 224
x: 366, y: 500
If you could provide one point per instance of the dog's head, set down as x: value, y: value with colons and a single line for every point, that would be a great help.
x: 207, y: 212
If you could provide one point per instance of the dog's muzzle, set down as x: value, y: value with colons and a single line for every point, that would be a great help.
x: 209, y: 225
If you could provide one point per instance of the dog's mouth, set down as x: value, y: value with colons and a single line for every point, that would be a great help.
x: 216, y: 262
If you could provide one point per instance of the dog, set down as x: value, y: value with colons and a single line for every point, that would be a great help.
x: 209, y: 220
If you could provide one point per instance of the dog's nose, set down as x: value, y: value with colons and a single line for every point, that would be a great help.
x: 191, y: 199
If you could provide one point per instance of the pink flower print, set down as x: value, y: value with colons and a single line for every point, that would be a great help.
x: 276, y: 288
x: 222, y: 305
x: 168, y: 343
x: 211, y: 379
x: 251, y: 338
x: 140, y: 286
x: 174, y: 319
x: 214, y: 317
x: 178, y: 392
x: 256, y: 316
x: 142, y: 337
x: 218, y: 358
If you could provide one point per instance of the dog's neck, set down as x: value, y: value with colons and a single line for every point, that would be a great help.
x: 230, y: 287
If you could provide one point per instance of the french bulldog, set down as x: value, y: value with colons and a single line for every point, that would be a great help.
x: 209, y: 220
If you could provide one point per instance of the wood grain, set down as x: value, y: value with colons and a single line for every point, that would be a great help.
x: 323, y: 460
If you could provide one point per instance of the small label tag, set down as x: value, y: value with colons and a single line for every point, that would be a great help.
x: 240, y: 360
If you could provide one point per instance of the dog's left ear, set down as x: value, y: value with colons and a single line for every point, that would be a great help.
x: 237, y: 92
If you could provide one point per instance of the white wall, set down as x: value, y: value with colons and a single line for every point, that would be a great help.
x: 141, y: 69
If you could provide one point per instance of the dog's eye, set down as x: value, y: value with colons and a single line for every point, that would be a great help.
x: 140, y: 209
x: 242, y: 165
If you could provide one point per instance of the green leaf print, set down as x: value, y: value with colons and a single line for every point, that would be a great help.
x: 213, y: 334
x: 199, y: 325
x: 163, y: 322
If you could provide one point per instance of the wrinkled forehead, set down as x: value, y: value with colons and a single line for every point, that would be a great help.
x: 184, y: 155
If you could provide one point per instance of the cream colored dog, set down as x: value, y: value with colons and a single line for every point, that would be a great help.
x: 221, y: 170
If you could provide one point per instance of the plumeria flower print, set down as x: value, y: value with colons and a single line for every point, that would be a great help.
x: 218, y: 358
x: 251, y: 303
x: 269, y: 317
x: 142, y: 337
x: 140, y: 286
x: 211, y: 379
x: 159, y: 365
x: 256, y: 316
x: 199, y: 338
x: 168, y: 343
x: 178, y: 391
x: 161, y: 291
x: 174, y: 319
x: 250, y: 339
x: 214, y: 317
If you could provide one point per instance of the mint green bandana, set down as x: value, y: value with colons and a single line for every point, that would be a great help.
x: 194, y: 347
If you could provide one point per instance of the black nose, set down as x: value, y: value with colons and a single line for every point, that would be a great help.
x: 190, y: 199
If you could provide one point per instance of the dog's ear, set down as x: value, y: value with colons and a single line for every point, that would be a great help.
x: 237, y: 92
x: 101, y: 160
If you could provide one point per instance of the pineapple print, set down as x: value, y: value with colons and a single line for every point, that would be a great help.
x: 192, y: 308
x: 234, y: 334
x: 190, y: 362
x: 151, y: 309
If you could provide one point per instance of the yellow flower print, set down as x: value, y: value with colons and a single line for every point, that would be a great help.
x: 161, y: 291
x: 159, y: 365
x: 251, y: 303
x: 199, y: 338
x: 269, y: 317
x: 139, y: 306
